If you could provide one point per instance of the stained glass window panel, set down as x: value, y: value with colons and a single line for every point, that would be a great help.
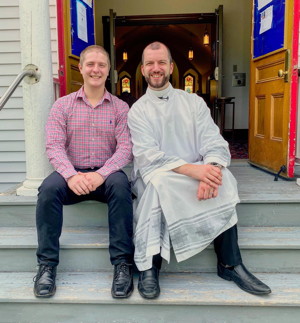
x: 125, y: 84
x: 189, y: 84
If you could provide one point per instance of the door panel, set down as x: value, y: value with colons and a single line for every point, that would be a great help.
x: 269, y: 114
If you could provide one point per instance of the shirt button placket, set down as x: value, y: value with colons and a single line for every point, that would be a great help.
x: 92, y: 157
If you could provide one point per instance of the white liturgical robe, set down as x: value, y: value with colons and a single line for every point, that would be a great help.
x: 167, y: 133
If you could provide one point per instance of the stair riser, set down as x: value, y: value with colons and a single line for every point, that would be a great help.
x: 269, y: 214
x: 81, y: 214
x: 42, y: 311
x: 70, y: 260
x: 95, y: 214
x: 262, y: 260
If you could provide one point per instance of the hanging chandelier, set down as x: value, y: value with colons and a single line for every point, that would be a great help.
x: 125, y: 56
x: 191, y: 54
x: 206, y: 37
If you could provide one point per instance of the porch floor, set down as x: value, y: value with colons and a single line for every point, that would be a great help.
x: 252, y: 183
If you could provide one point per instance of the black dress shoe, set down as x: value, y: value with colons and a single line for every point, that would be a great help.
x: 244, y: 279
x: 122, y: 286
x: 148, y: 285
x: 44, y: 281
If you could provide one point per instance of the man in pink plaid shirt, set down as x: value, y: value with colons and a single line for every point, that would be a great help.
x: 87, y: 143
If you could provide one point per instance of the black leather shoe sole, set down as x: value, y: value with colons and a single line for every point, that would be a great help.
x: 45, y: 295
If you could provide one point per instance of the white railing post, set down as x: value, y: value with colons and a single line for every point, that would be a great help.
x: 37, y: 98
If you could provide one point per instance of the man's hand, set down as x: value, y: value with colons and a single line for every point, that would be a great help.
x: 85, y: 183
x: 79, y: 184
x: 206, y: 192
x: 208, y: 174
x: 94, y: 179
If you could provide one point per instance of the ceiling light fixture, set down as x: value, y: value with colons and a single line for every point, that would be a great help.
x: 206, y: 37
x: 125, y: 56
x: 191, y: 54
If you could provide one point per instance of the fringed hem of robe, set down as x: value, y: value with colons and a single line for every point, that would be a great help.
x: 169, y: 213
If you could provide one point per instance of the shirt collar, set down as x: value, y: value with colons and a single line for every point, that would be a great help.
x: 106, y: 96
x: 165, y: 93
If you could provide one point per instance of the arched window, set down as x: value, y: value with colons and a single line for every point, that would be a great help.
x: 189, y: 83
x: 125, y: 83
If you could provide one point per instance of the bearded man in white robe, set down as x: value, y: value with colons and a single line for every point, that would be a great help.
x: 186, y: 196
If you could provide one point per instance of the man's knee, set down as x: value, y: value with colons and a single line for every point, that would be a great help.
x: 118, y: 184
x: 52, y: 186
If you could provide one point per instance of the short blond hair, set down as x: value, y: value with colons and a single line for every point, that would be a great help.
x: 92, y: 48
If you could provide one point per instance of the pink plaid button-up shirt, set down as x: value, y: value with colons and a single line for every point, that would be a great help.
x: 79, y: 135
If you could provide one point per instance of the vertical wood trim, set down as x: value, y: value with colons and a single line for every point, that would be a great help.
x: 62, y: 71
x: 294, y: 87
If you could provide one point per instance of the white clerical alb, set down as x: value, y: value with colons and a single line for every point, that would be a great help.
x: 167, y: 134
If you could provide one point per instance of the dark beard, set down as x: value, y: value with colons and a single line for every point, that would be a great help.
x: 164, y: 81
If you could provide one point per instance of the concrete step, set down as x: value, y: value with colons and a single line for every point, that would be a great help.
x: 85, y: 297
x: 264, y: 249
x: 20, y: 211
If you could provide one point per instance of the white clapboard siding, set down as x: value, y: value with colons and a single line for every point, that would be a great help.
x: 11, y: 135
x: 11, y: 114
x: 12, y: 124
x: 54, y: 46
x: 16, y: 145
x: 14, y: 156
x: 17, y: 94
x: 12, y: 145
x: 6, y: 166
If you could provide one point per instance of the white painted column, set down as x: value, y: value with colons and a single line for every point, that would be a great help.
x: 37, y: 98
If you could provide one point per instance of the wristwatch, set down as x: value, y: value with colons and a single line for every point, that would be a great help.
x: 216, y: 164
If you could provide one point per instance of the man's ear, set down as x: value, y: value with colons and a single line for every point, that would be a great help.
x: 80, y: 67
x: 142, y: 70
x: 171, y: 68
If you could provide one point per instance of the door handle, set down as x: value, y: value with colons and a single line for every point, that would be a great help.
x: 285, y: 73
x: 282, y: 73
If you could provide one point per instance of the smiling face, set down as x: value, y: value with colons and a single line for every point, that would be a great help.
x: 157, y: 67
x: 94, y: 68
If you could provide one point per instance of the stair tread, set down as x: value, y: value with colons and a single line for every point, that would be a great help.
x: 176, y: 289
x: 97, y: 237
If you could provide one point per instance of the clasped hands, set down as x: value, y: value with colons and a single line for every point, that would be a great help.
x: 209, y: 177
x: 85, y: 183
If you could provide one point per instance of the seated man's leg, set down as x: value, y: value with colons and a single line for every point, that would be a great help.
x: 231, y: 267
x: 120, y: 218
x: 227, y: 248
x: 53, y: 193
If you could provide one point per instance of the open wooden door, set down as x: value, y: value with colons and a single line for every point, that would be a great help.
x: 76, y: 31
x: 273, y: 85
